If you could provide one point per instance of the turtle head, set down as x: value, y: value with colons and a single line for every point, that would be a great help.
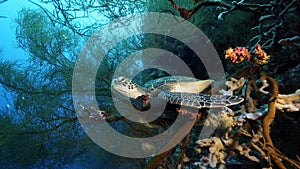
x: 137, y: 95
x: 127, y: 88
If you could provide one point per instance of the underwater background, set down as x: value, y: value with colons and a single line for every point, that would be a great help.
x: 257, y: 42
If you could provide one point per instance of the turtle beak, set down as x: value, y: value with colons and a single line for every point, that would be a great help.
x: 117, y: 85
x: 114, y: 82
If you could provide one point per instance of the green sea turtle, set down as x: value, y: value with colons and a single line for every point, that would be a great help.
x: 178, y: 90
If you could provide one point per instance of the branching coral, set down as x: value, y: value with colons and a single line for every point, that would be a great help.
x: 220, y: 148
x: 216, y: 155
x: 267, y: 121
x: 293, y: 41
x: 233, y: 84
x: 273, y: 21
x: 265, y: 85
x: 253, y: 116
x: 288, y: 103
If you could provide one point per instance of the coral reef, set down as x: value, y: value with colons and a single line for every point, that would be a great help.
x: 243, y: 134
x: 247, y: 129
x: 216, y: 153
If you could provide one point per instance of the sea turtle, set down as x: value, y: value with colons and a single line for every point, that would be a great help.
x: 179, y: 90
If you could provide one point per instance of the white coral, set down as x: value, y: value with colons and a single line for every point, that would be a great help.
x: 216, y: 152
x: 233, y: 84
x: 289, y: 103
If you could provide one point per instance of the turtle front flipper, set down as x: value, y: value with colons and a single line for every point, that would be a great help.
x: 141, y: 103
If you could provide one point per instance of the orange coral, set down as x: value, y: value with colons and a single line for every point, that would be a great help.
x: 237, y: 54
x: 261, y: 56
